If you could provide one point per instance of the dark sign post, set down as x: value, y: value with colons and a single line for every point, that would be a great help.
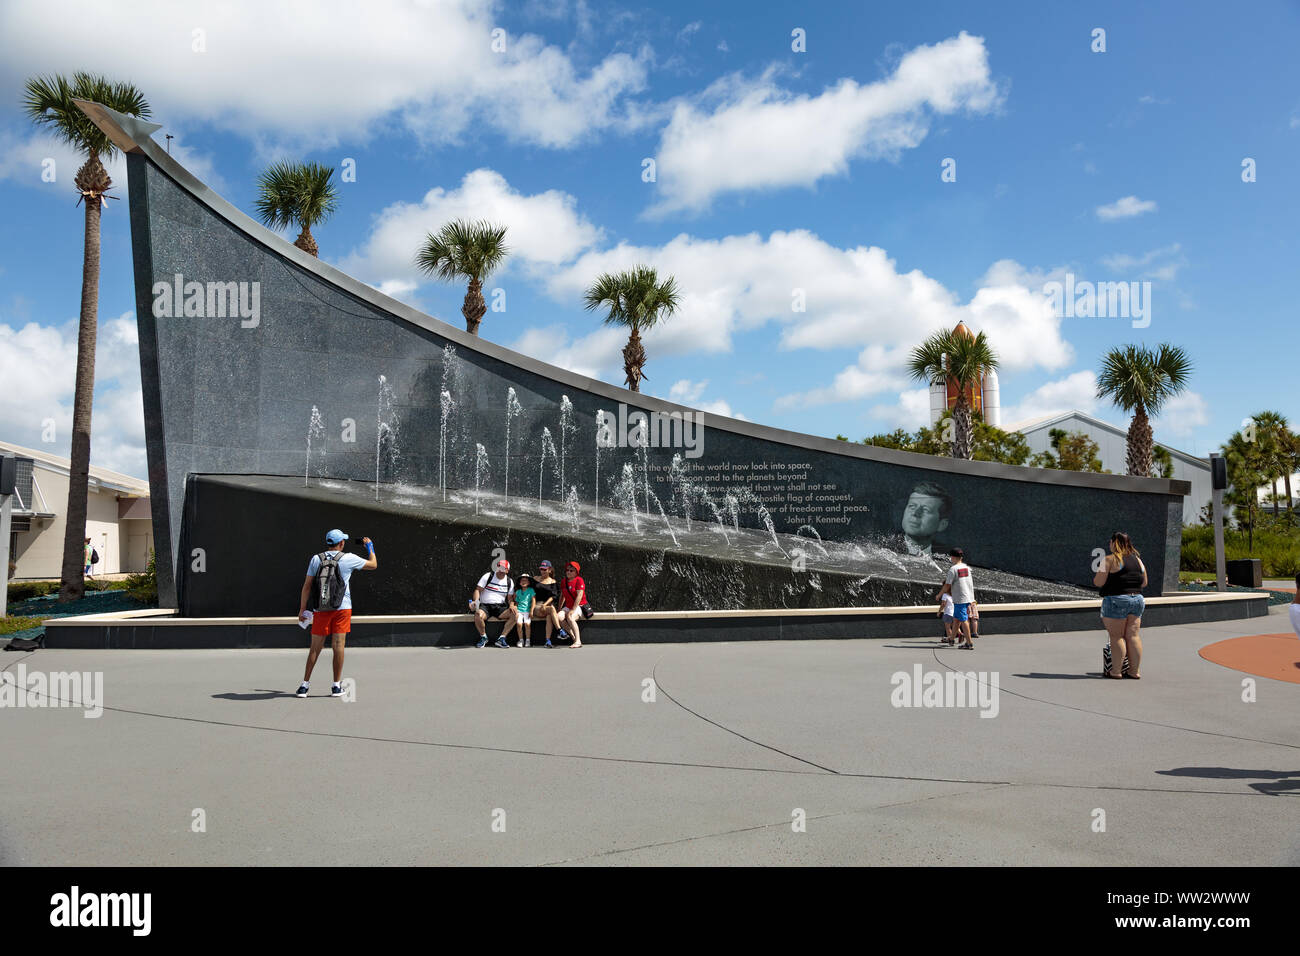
x: 8, y: 479
x: 1219, y: 480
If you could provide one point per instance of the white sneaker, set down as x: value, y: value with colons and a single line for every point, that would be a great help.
x: 519, y: 643
x: 528, y: 642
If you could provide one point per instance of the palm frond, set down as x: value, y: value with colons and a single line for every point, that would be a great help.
x: 48, y: 102
x: 463, y: 249
x: 295, y: 194
x: 634, y: 298
x: 1135, y: 377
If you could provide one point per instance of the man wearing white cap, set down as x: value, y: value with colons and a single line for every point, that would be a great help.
x: 491, y: 602
x: 328, y: 576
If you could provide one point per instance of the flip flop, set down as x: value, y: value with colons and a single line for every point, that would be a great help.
x: 1132, y: 676
x: 1113, y: 676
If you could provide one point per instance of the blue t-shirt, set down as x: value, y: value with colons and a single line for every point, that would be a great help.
x: 347, y: 564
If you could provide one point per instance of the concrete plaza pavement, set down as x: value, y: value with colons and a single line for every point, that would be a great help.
x: 559, y: 750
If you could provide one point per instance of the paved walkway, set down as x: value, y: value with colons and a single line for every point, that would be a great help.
x: 740, y: 741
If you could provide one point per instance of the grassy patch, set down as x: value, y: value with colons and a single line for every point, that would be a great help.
x: 12, y: 625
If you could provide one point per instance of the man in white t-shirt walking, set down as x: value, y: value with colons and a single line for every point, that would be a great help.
x: 961, y: 586
x: 491, y: 601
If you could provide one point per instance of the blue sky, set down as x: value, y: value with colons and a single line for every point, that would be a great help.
x: 776, y: 171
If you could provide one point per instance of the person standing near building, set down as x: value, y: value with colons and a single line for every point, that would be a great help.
x: 328, y: 575
x: 1120, y: 581
x: 946, y: 612
x: 961, y: 586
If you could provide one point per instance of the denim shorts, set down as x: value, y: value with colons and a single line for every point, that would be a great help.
x: 1120, y: 606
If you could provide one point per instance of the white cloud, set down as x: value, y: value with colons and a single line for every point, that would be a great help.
x: 1183, y: 414
x: 1075, y: 392
x: 336, y: 70
x: 912, y: 411
x: 744, y: 134
x: 1162, y: 263
x: 853, y: 298
x: 38, y: 366
x: 878, y: 369
x: 24, y: 159
x: 595, y: 355
x: 1125, y: 208
x: 722, y: 46
x: 686, y: 392
x: 544, y: 229
x: 848, y: 298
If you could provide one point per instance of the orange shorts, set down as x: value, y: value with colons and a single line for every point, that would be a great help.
x: 325, y: 623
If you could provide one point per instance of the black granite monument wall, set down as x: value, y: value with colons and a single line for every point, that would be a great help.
x: 249, y: 348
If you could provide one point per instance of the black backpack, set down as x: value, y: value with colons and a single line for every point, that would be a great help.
x: 329, y: 587
x: 94, y: 556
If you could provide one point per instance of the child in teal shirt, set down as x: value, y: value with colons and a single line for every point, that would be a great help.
x: 524, y: 594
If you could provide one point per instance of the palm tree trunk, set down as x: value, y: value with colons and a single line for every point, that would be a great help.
x: 962, y: 438
x: 1275, y: 496
x: 474, y: 308
x: 1286, y: 478
x: 73, y: 584
x: 1139, y: 444
x: 307, y: 243
x: 634, y: 360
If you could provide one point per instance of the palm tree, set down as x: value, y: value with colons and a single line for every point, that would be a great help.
x: 1272, y: 432
x: 1246, y: 472
x: 1163, y: 460
x: 297, y: 194
x: 961, y: 358
x: 638, y: 300
x: 1140, y: 381
x: 1290, y: 460
x: 48, y: 102
x: 465, y: 250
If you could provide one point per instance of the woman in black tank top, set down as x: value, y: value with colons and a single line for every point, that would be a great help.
x: 1120, y: 581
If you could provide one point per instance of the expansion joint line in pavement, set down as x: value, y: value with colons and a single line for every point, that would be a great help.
x: 770, y: 826
x: 654, y: 675
x: 821, y: 772
x: 1102, y: 713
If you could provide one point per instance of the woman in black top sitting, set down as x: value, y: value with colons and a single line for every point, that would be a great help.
x: 1120, y: 581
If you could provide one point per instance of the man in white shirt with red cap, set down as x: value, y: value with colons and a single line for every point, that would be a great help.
x: 491, y: 601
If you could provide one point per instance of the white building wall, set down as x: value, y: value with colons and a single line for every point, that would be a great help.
x: 1112, y: 449
x: 40, y: 550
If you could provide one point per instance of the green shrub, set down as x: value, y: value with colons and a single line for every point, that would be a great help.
x: 144, y: 586
x: 1277, y: 547
x: 22, y: 590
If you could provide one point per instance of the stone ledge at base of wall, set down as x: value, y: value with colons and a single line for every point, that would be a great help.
x: 447, y: 631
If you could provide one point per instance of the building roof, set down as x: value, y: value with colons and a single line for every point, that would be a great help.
x: 1048, y: 421
x: 99, y: 477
